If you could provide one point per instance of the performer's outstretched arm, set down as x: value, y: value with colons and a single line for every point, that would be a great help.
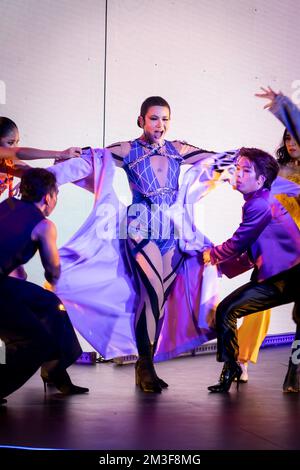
x: 26, y: 153
x: 192, y: 155
x: 118, y: 151
x: 284, y: 109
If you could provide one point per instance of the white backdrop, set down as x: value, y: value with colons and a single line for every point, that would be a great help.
x: 206, y: 57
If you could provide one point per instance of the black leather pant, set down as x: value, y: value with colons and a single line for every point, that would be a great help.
x: 251, y: 298
x: 35, y: 330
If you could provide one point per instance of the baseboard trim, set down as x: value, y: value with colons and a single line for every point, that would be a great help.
x: 281, y: 339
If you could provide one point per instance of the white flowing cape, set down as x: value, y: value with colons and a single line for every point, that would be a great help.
x: 97, y: 286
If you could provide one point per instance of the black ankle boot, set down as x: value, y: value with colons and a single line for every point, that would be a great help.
x: 145, y: 375
x: 291, y: 382
x: 61, y: 380
x: 230, y: 371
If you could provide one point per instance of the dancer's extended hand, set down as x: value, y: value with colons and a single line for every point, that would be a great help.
x: 268, y: 94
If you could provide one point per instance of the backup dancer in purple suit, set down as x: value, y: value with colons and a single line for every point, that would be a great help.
x: 272, y: 239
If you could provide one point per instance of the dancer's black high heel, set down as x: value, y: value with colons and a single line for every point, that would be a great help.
x: 230, y: 371
x: 61, y: 380
x: 3, y: 401
x: 291, y: 382
x: 145, y: 375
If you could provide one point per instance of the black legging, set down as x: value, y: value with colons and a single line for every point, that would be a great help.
x: 251, y: 298
x: 35, y: 329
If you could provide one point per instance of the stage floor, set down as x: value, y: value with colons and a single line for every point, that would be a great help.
x: 117, y: 415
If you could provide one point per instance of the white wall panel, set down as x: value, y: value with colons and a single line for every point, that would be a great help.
x: 52, y: 63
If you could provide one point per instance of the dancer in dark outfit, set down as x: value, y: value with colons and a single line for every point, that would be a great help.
x: 34, y: 325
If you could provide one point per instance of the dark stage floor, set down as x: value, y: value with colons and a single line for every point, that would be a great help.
x: 116, y: 415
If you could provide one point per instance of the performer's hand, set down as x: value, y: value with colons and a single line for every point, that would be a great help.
x: 72, y: 152
x: 268, y: 94
x: 206, y: 256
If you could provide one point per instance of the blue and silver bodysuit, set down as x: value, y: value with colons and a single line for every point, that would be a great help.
x: 147, y: 219
x: 146, y: 216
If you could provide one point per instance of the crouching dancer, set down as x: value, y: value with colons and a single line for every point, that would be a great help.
x: 34, y: 325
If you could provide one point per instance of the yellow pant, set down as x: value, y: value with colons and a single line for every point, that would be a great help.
x: 251, y: 334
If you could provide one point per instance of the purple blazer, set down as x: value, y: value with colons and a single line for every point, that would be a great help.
x: 267, y: 232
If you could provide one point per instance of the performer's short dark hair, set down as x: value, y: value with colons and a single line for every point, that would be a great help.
x: 264, y: 164
x: 152, y: 101
x: 36, y: 183
x: 6, y: 126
